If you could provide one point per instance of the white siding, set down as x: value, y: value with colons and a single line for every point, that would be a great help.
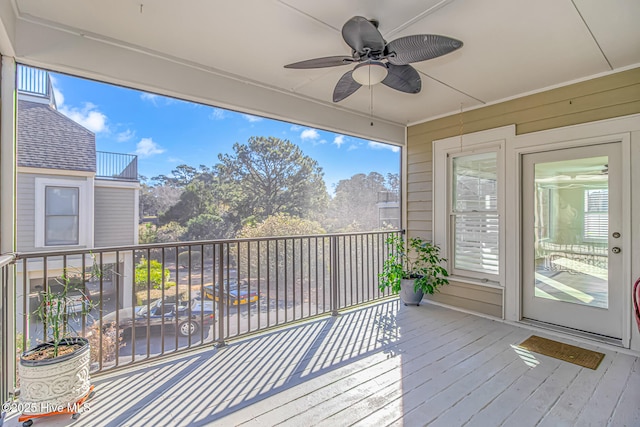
x: 26, y: 218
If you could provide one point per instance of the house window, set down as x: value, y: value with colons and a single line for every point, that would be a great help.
x: 474, y: 220
x: 596, y: 214
x: 61, y: 222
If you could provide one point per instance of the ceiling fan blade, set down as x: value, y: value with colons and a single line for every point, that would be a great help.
x: 404, y: 78
x: 345, y: 87
x: 361, y: 34
x: 420, y: 47
x: 329, y: 61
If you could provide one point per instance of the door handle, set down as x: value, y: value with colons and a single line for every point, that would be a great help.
x: 615, y: 250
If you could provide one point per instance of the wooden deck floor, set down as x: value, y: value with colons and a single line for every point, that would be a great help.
x: 385, y: 364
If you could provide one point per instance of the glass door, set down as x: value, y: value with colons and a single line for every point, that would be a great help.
x: 571, y: 238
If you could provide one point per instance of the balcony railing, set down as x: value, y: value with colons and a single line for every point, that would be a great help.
x: 33, y: 81
x: 116, y: 166
x: 190, y: 294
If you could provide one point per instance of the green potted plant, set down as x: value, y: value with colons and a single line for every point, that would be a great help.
x: 55, y: 374
x: 412, y: 268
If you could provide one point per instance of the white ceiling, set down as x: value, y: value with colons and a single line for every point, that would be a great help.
x: 237, y: 50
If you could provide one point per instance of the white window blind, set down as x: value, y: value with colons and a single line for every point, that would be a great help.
x: 596, y: 214
x: 474, y: 213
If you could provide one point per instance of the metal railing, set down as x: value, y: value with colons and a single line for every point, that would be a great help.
x: 33, y: 81
x: 7, y: 353
x: 116, y: 166
x: 190, y: 294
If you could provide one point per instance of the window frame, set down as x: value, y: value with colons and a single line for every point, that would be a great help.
x: 85, y: 210
x: 444, y: 151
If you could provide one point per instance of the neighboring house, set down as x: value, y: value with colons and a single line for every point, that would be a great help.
x: 69, y: 196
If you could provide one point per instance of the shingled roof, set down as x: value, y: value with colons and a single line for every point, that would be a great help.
x: 48, y: 139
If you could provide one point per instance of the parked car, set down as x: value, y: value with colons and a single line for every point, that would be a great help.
x: 237, y: 293
x: 190, y: 316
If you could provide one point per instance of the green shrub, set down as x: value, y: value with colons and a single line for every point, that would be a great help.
x: 150, y: 272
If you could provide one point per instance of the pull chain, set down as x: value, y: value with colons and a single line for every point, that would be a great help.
x: 370, y: 97
x: 371, y: 104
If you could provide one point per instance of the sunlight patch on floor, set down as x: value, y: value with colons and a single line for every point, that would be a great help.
x: 575, y: 293
x: 526, y: 356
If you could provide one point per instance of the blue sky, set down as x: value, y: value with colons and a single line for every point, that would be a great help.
x: 166, y: 132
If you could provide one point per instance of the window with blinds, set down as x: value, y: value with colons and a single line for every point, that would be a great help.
x: 596, y: 214
x: 474, y: 213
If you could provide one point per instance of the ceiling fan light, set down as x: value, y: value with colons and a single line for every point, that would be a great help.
x: 369, y: 73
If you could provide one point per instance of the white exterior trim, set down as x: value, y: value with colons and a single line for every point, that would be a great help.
x: 617, y: 129
x: 490, y: 140
x: 85, y: 210
x: 106, y: 183
x: 64, y: 172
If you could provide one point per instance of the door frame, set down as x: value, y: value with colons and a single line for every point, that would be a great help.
x: 612, y: 130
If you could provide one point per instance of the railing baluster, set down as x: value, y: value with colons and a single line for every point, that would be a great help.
x: 217, y: 290
x: 118, y: 307
x: 334, y: 276
x: 134, y: 302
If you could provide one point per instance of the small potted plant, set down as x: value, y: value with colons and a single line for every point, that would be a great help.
x: 55, y: 374
x: 412, y: 268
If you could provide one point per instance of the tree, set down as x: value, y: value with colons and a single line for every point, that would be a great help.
x: 268, y: 176
x: 197, y: 198
x: 281, y: 224
x: 180, y: 176
x: 354, y: 207
x: 156, y: 199
x: 206, y: 227
x: 169, y: 233
x: 147, y: 233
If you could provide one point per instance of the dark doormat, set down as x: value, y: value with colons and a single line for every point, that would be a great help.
x: 569, y: 353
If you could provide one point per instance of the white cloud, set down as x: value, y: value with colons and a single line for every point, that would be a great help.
x: 352, y: 147
x: 149, y: 97
x: 295, y: 128
x: 158, y: 100
x: 217, y: 114
x: 339, y: 140
x: 125, y: 135
x: 175, y: 160
x: 252, y: 119
x: 309, y: 134
x: 381, y: 146
x: 147, y: 148
x: 89, y: 117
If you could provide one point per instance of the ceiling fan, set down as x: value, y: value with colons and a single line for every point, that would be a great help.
x: 378, y: 61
